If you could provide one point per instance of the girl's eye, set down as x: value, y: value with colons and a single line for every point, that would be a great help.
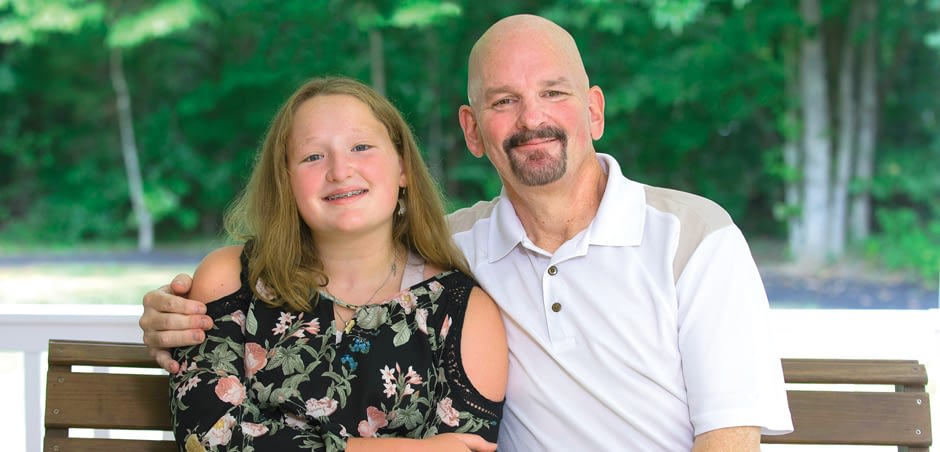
x: 313, y: 157
x: 361, y: 147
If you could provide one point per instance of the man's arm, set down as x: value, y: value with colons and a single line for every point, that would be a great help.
x: 170, y: 320
x: 731, y: 439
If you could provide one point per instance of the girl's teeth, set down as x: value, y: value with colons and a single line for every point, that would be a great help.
x: 345, y: 195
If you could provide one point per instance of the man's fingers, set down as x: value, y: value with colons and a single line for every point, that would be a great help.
x: 164, y: 360
x: 181, y: 284
x: 158, y: 341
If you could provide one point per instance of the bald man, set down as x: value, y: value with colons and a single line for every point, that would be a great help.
x: 635, y: 315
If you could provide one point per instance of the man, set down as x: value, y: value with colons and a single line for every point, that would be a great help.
x: 635, y: 315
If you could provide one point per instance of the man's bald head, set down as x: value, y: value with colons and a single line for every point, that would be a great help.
x: 522, y: 36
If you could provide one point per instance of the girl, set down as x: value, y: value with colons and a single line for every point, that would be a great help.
x: 348, y: 319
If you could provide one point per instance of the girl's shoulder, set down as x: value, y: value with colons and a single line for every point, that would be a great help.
x: 218, y: 275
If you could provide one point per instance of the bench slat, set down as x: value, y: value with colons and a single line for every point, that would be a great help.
x: 855, y: 371
x: 104, y: 354
x: 857, y: 418
x: 98, y: 400
x: 107, y: 445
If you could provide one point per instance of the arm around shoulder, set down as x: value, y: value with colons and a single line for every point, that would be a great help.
x: 217, y: 275
x: 483, y: 349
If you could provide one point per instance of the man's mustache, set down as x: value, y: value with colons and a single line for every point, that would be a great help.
x: 519, y: 138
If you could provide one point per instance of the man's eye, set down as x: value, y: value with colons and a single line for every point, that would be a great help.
x: 505, y: 101
x: 553, y: 93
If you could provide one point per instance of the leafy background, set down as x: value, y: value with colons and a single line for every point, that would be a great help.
x: 697, y: 99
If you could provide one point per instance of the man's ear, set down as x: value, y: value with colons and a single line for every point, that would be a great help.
x: 596, y: 112
x: 471, y: 133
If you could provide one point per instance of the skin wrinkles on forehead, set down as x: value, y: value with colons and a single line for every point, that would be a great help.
x: 510, y: 33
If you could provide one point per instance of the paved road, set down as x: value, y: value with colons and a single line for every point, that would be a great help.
x: 846, y: 292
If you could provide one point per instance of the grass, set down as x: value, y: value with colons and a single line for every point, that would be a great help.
x: 90, y: 273
x: 85, y: 283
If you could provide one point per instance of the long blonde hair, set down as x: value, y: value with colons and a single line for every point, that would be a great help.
x: 283, y: 255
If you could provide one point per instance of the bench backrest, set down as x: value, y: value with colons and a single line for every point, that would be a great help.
x: 855, y: 415
x: 99, y: 400
x: 123, y: 401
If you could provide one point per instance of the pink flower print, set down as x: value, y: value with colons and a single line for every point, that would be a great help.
x: 388, y: 376
x: 446, y: 326
x: 295, y: 421
x: 221, y: 432
x: 435, y: 287
x: 375, y: 419
x: 256, y: 357
x: 447, y: 413
x: 230, y: 390
x: 412, y: 377
x: 421, y: 317
x: 239, y: 318
x: 390, y: 390
x: 253, y: 430
x: 407, y: 302
x: 283, y: 322
x: 185, y: 367
x: 322, y: 407
x: 312, y: 327
x: 185, y: 387
x: 263, y: 290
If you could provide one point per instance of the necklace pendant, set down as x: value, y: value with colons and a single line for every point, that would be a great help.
x: 349, y: 325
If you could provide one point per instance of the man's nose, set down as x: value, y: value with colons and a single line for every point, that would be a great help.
x: 531, y: 114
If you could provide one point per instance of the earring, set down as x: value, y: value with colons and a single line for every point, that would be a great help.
x: 401, y: 203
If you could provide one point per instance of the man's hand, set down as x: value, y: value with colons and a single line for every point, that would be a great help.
x: 170, y: 320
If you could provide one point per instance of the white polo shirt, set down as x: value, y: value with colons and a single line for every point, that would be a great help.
x: 646, y: 329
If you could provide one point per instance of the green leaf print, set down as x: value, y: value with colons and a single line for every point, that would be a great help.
x: 404, y: 333
x: 372, y: 317
x: 251, y: 323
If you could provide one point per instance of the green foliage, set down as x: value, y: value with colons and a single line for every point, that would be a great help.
x: 165, y: 18
x: 423, y: 13
x: 907, y: 242
x: 26, y: 21
x: 694, y: 93
x: 908, y: 192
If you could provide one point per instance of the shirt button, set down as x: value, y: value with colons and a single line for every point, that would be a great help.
x: 553, y: 270
x: 556, y: 307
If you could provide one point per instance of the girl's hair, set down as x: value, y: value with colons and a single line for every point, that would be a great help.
x: 284, y: 267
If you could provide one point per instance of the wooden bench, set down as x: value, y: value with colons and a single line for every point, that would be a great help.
x: 825, y: 416
x: 99, y: 400
x: 858, y: 417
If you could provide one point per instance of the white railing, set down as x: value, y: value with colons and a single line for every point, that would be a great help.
x: 799, y: 333
x: 28, y: 328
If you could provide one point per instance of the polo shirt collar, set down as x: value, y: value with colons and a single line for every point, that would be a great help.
x: 619, y: 220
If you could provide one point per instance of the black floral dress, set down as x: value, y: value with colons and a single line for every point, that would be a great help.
x: 269, y: 379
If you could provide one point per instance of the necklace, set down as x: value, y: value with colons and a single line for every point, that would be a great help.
x: 349, y: 324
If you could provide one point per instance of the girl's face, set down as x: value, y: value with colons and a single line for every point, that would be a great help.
x: 345, y: 171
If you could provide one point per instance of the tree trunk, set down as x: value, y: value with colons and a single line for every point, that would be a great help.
x: 792, y: 186
x: 129, y: 151
x: 845, y: 150
x: 868, y: 124
x: 435, y: 142
x: 377, y: 56
x: 816, y: 143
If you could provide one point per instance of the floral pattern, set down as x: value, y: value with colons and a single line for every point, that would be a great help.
x: 266, y: 378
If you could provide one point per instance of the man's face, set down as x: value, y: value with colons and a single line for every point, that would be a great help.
x: 530, y: 111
